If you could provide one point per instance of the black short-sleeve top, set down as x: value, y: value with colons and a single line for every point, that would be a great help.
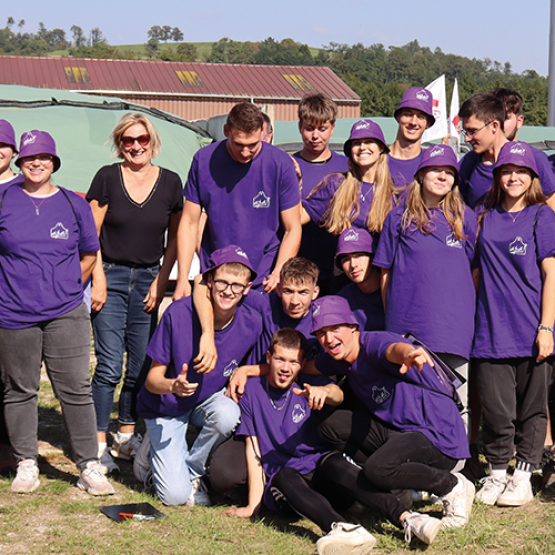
x: 134, y: 233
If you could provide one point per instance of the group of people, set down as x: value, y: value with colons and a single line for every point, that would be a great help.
x: 356, y: 319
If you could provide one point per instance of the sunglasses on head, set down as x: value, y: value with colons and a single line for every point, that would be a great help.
x: 143, y: 140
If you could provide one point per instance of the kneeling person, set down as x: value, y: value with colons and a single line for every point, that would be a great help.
x: 175, y: 395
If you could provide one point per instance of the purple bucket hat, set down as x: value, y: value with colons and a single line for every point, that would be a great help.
x: 38, y: 142
x: 353, y: 240
x: 421, y: 99
x: 439, y: 155
x: 331, y: 311
x: 231, y: 253
x: 364, y: 129
x: 7, y: 134
x: 517, y: 153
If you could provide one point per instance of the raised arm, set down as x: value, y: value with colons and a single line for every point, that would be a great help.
x: 320, y: 395
x: 407, y: 356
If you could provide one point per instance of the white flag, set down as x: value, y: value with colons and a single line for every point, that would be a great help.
x: 454, y: 122
x: 439, y: 129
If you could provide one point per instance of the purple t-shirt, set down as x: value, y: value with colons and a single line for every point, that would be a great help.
x: 318, y: 202
x: 317, y: 244
x: 274, y: 318
x: 430, y: 293
x: 367, y: 307
x: 402, y: 171
x: 176, y: 341
x: 399, y: 400
x: 243, y: 201
x: 17, y: 178
x: 510, y: 250
x: 40, y: 270
x: 285, y: 427
x: 476, y: 178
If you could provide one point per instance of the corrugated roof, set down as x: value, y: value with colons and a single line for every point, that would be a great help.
x: 158, y: 77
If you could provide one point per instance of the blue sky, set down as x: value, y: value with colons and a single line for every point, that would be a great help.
x: 502, y: 30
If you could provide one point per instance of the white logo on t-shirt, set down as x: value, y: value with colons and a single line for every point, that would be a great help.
x: 380, y: 395
x: 59, y: 232
x: 518, y: 246
x: 261, y: 200
x: 298, y: 413
x: 450, y: 241
x: 230, y: 368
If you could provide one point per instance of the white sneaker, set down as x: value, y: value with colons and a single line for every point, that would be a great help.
x: 199, y: 494
x: 27, y: 477
x: 127, y: 449
x: 517, y: 492
x: 457, y: 504
x: 141, y: 464
x: 93, y: 481
x: 345, y: 539
x: 492, y: 488
x: 106, y: 462
x: 424, y: 527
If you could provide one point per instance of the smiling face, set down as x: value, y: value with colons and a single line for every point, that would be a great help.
x: 241, y: 146
x: 412, y: 124
x: 6, y: 155
x: 480, y: 134
x: 316, y: 138
x: 340, y: 341
x: 296, y: 297
x: 225, y: 300
x: 436, y: 183
x: 285, y: 365
x: 136, y: 155
x: 366, y: 152
x: 515, y: 181
x: 37, y: 169
x: 356, y: 266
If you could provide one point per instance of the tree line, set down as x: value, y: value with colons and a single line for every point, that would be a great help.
x: 378, y: 74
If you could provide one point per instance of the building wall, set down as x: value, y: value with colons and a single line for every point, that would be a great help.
x: 191, y: 108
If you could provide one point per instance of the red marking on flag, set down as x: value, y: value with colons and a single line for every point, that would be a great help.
x: 436, y: 103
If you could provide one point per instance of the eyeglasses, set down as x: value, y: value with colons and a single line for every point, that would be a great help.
x: 128, y: 142
x: 472, y: 132
x: 221, y: 286
x: 44, y: 158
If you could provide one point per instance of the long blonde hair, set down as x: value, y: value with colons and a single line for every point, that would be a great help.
x: 344, y: 207
x: 417, y: 213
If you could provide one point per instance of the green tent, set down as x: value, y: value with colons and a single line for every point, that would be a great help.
x: 81, y: 125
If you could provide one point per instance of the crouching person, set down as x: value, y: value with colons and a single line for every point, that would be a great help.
x: 176, y: 395
x: 288, y: 467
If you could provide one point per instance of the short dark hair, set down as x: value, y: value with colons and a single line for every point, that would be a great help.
x: 485, y: 106
x: 317, y: 108
x: 512, y: 101
x: 299, y: 270
x: 268, y: 122
x: 288, y: 338
x: 245, y: 117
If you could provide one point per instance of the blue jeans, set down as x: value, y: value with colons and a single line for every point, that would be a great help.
x: 174, y: 466
x: 122, y: 326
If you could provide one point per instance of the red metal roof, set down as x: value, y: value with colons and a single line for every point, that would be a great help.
x: 160, y: 77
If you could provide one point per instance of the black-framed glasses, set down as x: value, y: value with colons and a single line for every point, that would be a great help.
x: 221, y: 286
x: 472, y: 132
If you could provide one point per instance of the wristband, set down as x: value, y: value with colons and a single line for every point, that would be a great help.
x: 544, y: 327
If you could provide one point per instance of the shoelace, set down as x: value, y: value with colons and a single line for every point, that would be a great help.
x: 26, y: 472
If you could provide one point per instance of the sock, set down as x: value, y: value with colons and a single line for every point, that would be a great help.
x: 498, y: 472
x: 101, y: 448
x: 123, y: 437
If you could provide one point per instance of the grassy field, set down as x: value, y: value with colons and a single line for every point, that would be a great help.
x: 59, y: 518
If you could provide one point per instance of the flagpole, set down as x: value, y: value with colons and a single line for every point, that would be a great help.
x: 551, y: 78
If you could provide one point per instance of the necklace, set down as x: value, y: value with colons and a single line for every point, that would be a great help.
x: 35, y: 205
x: 272, y: 401
x: 517, y: 215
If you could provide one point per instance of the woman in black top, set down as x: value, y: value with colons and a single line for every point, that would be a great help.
x: 134, y: 203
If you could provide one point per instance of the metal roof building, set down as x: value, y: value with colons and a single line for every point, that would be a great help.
x: 188, y: 89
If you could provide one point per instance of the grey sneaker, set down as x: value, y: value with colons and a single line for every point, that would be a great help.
x: 141, y: 464
x: 126, y: 450
x: 107, y: 463
x: 424, y: 527
x: 457, y: 504
x: 199, y: 494
x: 517, y: 493
x: 93, y: 481
x: 345, y: 539
x: 27, y: 477
x: 492, y: 488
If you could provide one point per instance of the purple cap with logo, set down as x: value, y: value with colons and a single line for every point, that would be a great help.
x: 364, y: 129
x: 7, y: 134
x: 331, y: 311
x: 421, y: 99
x: 231, y: 253
x: 38, y: 142
x: 517, y: 153
x: 439, y: 155
x: 353, y: 240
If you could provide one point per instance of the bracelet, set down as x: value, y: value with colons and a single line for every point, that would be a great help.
x: 544, y: 327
